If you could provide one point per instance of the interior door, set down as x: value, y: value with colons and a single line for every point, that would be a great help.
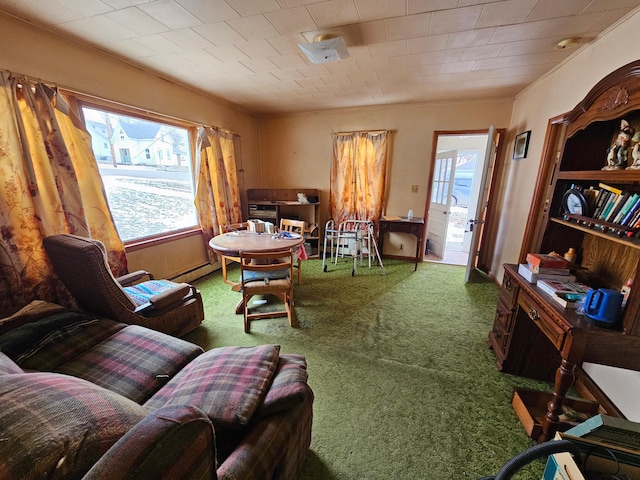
x: 475, y: 224
x: 440, y: 205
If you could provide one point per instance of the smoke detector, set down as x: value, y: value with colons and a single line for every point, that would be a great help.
x: 568, y: 43
x: 325, y: 48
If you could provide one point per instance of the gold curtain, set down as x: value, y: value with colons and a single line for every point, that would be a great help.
x: 217, y: 192
x: 358, y: 176
x: 49, y: 184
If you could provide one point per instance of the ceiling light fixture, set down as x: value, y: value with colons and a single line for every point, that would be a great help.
x: 568, y: 43
x: 325, y: 48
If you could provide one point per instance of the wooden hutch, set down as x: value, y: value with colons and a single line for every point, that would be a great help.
x: 532, y: 335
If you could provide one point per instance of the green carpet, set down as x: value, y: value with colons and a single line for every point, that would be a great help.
x: 405, y: 386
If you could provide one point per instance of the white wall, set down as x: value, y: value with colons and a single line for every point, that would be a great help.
x: 553, y: 95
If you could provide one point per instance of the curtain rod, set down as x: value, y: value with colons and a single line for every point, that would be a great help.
x: 363, y: 131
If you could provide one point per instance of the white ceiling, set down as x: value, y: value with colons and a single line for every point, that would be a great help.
x: 402, y: 51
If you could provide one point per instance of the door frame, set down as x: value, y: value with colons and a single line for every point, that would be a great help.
x: 483, y: 263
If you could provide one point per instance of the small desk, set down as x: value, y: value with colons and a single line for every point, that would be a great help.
x: 526, y: 317
x: 415, y: 226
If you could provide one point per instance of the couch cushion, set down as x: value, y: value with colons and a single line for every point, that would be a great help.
x: 8, y: 366
x: 289, y: 386
x: 31, y: 312
x: 226, y: 383
x: 134, y: 362
x: 54, y: 338
x: 54, y: 426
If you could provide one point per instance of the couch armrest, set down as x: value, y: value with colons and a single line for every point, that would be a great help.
x: 166, y: 299
x: 133, y: 277
x: 172, y: 442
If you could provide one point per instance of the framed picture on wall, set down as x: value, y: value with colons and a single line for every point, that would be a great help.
x: 521, y: 145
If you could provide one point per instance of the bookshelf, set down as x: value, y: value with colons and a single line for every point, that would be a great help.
x: 272, y: 204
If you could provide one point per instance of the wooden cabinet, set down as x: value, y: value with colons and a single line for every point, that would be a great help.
x: 272, y: 204
x: 532, y: 335
x: 575, y: 152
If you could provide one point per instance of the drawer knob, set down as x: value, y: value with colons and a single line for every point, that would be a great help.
x: 507, y: 283
x: 534, y: 314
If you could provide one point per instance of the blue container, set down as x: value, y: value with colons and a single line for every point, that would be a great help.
x: 603, y: 305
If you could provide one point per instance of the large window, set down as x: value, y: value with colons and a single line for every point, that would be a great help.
x: 146, y: 170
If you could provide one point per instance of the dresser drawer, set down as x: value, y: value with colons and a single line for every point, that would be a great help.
x: 509, y: 289
x: 550, y: 328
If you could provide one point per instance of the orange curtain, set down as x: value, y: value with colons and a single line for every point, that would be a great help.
x: 217, y: 192
x: 358, y: 176
x: 49, y: 184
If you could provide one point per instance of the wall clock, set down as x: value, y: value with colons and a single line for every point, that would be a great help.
x: 574, y: 203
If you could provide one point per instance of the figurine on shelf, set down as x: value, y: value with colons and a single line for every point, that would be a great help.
x: 635, y: 153
x: 618, y: 153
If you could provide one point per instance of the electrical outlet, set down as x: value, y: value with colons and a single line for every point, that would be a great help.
x: 414, y: 188
x: 402, y: 246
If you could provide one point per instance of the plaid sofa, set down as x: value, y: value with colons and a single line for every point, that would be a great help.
x: 91, y: 398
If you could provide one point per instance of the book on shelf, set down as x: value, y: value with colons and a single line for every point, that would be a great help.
x: 548, y: 271
x: 630, y: 202
x: 544, y: 260
x: 610, y: 188
x: 620, y: 201
x: 532, y: 277
x: 569, y: 300
x: 552, y: 286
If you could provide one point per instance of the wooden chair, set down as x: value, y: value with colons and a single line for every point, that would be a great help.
x: 294, y: 226
x: 267, y: 274
x: 233, y: 227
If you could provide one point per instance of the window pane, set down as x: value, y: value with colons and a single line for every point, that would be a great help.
x: 146, y: 171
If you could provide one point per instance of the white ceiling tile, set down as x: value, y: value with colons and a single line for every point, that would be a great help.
x: 289, y: 61
x: 506, y: 12
x: 257, y: 49
x: 568, y: 26
x: 128, y: 47
x: 333, y: 13
x: 219, y: 33
x: 158, y: 44
x: 378, y: 9
x: 470, y: 38
x: 209, y: 11
x: 137, y: 21
x: 99, y: 29
x: 388, y: 49
x: 87, y: 8
x: 291, y: 20
x: 200, y: 57
x: 410, y: 26
x: 253, y: 7
x: 287, y: 45
x: 546, y: 9
x: 427, y: 44
x: 227, y: 53
x: 187, y: 39
x: 117, y: 4
x: 45, y: 13
x: 422, y: 6
x: 541, y: 45
x: 171, y: 13
x: 253, y: 27
x: 448, y: 21
x: 364, y: 33
x: 261, y: 77
x: 511, y: 33
x: 259, y: 65
x: 482, y: 51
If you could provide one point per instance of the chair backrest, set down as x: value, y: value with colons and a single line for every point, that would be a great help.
x: 81, y: 264
x: 289, y: 225
x: 266, y: 265
x: 234, y: 227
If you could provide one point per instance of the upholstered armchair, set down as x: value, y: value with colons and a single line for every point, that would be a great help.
x: 81, y: 264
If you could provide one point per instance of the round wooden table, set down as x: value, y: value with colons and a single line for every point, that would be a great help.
x: 232, y: 243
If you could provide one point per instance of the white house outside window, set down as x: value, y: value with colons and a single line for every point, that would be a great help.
x: 148, y: 197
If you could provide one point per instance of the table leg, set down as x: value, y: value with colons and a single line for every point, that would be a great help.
x: 240, y: 306
x: 565, y: 376
x: 418, y: 251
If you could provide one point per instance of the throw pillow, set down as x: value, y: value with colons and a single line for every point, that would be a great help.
x: 55, y: 426
x: 8, y: 366
x: 226, y: 383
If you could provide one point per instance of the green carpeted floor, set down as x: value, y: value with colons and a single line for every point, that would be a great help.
x: 405, y: 386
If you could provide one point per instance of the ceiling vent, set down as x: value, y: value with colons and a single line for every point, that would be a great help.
x: 325, y: 48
